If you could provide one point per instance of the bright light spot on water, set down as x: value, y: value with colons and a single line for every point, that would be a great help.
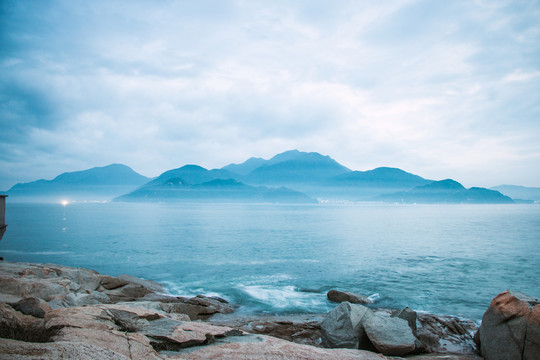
x: 64, y: 202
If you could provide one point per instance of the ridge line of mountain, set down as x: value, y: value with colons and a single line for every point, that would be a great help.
x: 310, y: 174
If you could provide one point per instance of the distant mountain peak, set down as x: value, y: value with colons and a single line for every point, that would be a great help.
x: 447, y: 184
x: 100, y: 183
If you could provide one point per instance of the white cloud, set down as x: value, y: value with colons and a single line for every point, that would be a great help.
x: 403, y: 83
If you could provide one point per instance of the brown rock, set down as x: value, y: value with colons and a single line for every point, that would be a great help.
x: 111, y: 282
x: 13, y: 349
x: 130, y: 345
x: 341, y: 296
x: 510, y: 328
x: 89, y: 317
x: 129, y: 292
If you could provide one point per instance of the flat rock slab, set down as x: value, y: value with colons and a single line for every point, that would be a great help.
x: 268, y: 348
x: 13, y: 349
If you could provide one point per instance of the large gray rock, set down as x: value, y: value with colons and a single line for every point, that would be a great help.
x: 510, y: 328
x: 391, y: 336
x: 342, y: 326
x: 407, y: 314
x: 341, y: 296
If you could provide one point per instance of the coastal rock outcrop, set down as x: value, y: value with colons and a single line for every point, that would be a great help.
x: 50, y: 311
x: 341, y: 296
x: 343, y: 327
x: 396, y: 333
x: 510, y: 328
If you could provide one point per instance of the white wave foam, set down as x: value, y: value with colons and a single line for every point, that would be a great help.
x: 284, y: 297
x: 374, y: 297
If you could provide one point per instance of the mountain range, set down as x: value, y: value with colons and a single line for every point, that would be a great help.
x: 291, y: 177
x: 95, y: 184
x: 449, y: 192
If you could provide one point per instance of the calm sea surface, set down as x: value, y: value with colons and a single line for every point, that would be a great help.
x: 445, y: 259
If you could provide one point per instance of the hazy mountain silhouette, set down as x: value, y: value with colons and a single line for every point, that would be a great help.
x: 193, y: 174
x: 217, y: 190
x: 294, y: 176
x: 295, y: 167
x: 519, y: 192
x: 98, y: 183
x: 447, y: 191
x: 246, y: 167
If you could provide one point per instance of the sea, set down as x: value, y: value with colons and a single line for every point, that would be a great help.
x: 282, y: 259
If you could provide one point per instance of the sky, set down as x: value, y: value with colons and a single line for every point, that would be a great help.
x: 442, y: 89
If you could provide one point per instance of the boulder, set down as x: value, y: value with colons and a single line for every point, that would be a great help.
x: 129, y: 292
x: 341, y: 296
x: 391, y: 336
x: 111, y: 282
x: 32, y: 306
x: 510, y: 328
x: 407, y: 314
x: 342, y: 327
x: 148, y: 284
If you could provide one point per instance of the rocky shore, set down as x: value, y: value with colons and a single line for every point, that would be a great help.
x: 49, y: 311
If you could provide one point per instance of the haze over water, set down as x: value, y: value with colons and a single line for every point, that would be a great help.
x: 445, y: 259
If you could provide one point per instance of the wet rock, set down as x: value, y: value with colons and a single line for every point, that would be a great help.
x: 32, y: 306
x: 510, y: 328
x: 198, y: 308
x: 341, y: 296
x: 391, y: 336
x: 342, y: 327
x: 446, y: 334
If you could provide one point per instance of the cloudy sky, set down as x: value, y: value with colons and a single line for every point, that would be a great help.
x: 443, y: 89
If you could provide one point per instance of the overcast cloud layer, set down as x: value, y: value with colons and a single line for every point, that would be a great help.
x: 438, y: 88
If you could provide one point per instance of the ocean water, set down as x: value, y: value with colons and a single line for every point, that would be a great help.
x: 282, y: 259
